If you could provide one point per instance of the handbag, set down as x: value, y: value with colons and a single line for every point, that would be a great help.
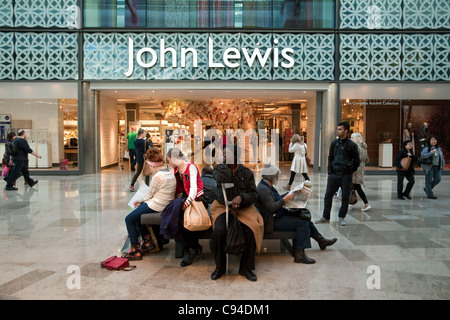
x: 235, y: 238
x: 196, y: 217
x: 353, y: 198
x: 302, y: 213
x: 146, y: 169
x: 116, y: 263
x: 405, y: 162
x: 5, y: 171
x: 426, y: 161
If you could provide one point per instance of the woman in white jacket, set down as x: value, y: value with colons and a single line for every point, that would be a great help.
x: 299, y: 165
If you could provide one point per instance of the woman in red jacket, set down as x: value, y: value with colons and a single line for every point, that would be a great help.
x: 190, y: 188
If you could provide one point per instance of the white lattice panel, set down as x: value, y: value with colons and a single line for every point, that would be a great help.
x: 46, y: 56
x: 6, y: 13
x: 6, y: 56
x: 442, y: 57
x: 418, y: 57
x: 42, y: 13
x: 371, y: 14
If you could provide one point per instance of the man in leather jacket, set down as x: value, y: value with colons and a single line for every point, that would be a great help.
x: 343, y: 160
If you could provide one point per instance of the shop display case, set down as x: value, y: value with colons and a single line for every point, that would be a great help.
x: 40, y: 141
x: 385, y: 149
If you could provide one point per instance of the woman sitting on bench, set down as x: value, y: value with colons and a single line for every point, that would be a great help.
x: 270, y: 204
x: 161, y: 193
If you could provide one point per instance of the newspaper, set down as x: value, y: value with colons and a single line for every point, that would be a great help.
x: 302, y: 193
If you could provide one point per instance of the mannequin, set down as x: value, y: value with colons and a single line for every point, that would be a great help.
x: 423, y: 135
x: 408, y: 134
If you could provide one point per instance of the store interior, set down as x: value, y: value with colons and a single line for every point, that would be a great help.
x: 164, y: 112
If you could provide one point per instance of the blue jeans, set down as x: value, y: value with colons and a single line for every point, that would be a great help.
x: 303, y: 229
x: 432, y: 178
x: 133, y: 223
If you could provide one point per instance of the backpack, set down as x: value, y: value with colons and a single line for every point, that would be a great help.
x: 13, y: 148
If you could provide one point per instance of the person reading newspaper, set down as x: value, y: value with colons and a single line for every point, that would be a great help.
x: 272, y: 206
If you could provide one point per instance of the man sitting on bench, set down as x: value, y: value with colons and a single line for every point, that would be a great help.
x: 270, y: 204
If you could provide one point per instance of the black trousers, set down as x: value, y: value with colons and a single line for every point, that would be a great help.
x: 291, y: 179
x: 20, y: 168
x: 401, y: 175
x: 334, y: 182
x: 220, y: 240
x: 361, y: 193
x: 140, y: 166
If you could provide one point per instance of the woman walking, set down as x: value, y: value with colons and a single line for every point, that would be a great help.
x: 141, y: 146
x: 405, y: 152
x: 434, y: 169
x: 358, y: 175
x: 299, y: 165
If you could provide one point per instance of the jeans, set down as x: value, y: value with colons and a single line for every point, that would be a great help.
x: 133, y: 223
x: 303, y: 229
x: 333, y: 183
x: 401, y: 175
x: 432, y: 179
x: 132, y: 153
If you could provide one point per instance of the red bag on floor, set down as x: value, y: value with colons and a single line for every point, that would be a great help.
x: 116, y: 263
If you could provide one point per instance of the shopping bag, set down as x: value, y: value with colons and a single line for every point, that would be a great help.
x: 126, y: 244
x: 196, y: 217
x: 5, y: 171
x: 140, y: 195
x: 126, y: 155
x: 235, y: 238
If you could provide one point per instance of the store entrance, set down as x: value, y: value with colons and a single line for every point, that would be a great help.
x: 179, y: 118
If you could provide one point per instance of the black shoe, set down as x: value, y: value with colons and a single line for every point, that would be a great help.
x: 431, y: 197
x: 301, y: 257
x: 33, y: 183
x: 11, y: 188
x: 217, y: 274
x: 189, y: 258
x: 407, y: 196
x: 248, y: 274
x: 323, y: 242
x: 400, y: 198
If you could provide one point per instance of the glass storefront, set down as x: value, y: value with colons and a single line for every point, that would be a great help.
x: 386, y: 123
x: 204, y: 14
x: 49, y: 114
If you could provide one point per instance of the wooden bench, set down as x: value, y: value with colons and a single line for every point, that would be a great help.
x: 283, y: 236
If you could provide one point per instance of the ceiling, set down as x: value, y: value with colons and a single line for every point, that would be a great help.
x: 150, y: 100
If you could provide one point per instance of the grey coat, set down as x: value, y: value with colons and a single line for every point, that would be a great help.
x: 358, y: 175
x: 426, y: 153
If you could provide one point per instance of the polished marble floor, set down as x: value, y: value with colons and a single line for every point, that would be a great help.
x: 53, y: 236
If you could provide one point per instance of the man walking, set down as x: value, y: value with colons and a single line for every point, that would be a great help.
x: 131, y: 137
x: 19, y: 152
x: 343, y: 160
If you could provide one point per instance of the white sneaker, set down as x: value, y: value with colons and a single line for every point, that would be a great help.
x: 342, y: 222
x: 366, y: 208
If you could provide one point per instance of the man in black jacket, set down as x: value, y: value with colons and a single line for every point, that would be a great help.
x: 243, y: 194
x: 343, y: 160
x: 19, y: 154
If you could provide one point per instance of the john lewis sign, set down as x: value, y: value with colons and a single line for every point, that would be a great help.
x: 231, y: 57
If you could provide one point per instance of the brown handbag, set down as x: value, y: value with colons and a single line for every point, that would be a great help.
x: 405, y: 162
x: 196, y: 217
x: 146, y: 169
x: 353, y: 198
